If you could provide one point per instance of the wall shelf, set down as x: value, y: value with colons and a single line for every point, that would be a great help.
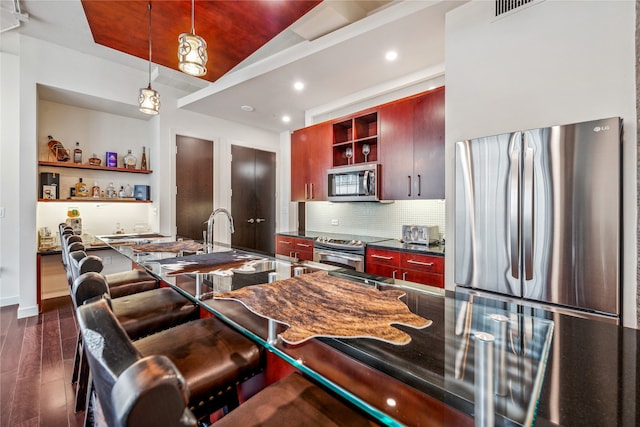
x: 94, y: 200
x: 92, y: 167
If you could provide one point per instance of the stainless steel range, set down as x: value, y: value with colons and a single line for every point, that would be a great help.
x: 344, y: 251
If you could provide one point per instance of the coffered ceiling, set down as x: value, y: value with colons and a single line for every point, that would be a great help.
x: 233, y: 30
x: 257, y: 50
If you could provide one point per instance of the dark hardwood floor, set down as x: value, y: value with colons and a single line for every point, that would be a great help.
x: 36, y: 362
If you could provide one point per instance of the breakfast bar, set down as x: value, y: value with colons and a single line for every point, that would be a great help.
x: 415, y: 370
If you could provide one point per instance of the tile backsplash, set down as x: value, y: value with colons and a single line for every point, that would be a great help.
x: 374, y: 219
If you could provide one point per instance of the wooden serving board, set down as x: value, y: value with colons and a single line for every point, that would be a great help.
x: 319, y: 305
x: 206, y: 263
x: 187, y: 245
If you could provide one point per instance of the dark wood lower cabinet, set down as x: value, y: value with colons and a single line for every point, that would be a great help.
x: 418, y: 268
x: 294, y: 247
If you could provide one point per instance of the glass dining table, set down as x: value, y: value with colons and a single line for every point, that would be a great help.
x: 477, y: 360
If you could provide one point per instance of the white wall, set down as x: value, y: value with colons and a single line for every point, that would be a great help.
x: 552, y: 63
x: 38, y: 62
x: 9, y: 169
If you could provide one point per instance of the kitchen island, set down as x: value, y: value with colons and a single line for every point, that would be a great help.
x: 561, y: 370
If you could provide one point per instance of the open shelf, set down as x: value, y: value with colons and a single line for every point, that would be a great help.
x: 353, y: 134
x: 92, y: 167
x: 94, y: 200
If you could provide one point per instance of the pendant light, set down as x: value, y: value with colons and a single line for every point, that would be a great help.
x: 192, y: 50
x: 149, y: 99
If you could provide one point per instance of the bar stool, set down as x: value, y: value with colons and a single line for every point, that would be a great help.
x: 151, y: 391
x: 211, y: 357
x: 120, y: 284
x: 140, y: 314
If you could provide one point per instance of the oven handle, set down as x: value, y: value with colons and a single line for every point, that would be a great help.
x: 338, y: 254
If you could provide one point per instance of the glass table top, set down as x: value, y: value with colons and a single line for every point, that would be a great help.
x: 440, y: 361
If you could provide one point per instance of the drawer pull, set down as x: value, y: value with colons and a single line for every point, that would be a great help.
x: 303, y: 245
x: 426, y: 264
x: 284, y: 242
x: 382, y: 257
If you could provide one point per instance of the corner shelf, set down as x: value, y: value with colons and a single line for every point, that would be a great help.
x: 92, y: 167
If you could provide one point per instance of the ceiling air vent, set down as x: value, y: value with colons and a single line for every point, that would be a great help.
x: 505, y: 6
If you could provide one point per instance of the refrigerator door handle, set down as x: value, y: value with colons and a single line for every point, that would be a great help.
x: 514, y: 203
x: 527, y: 217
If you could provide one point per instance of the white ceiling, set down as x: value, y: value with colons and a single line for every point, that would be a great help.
x: 344, y: 66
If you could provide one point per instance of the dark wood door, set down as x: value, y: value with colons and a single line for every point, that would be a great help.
x: 253, y: 191
x: 396, y: 150
x: 194, y: 182
x: 428, y: 144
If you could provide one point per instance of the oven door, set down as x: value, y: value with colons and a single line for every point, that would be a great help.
x: 339, y: 259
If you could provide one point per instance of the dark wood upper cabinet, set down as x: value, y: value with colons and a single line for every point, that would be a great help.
x: 412, y: 147
x: 396, y: 150
x: 311, y: 156
x: 406, y: 137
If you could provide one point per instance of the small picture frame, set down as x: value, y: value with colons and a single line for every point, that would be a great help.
x: 49, y: 192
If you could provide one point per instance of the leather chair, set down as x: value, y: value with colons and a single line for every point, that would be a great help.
x: 137, y: 391
x: 140, y: 314
x: 120, y: 284
x: 211, y: 357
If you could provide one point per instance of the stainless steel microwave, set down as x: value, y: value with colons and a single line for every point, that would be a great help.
x: 358, y: 183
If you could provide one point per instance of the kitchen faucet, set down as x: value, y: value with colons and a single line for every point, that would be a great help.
x: 208, y: 238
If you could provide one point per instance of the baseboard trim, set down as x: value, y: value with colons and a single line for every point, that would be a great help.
x: 9, y: 301
x: 27, y: 311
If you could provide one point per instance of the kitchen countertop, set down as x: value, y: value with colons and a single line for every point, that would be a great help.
x: 373, y: 242
x: 592, y: 374
x: 395, y: 244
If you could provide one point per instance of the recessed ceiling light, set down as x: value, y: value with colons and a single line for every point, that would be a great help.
x: 298, y: 86
x: 392, y: 55
x: 286, y: 119
x: 247, y: 108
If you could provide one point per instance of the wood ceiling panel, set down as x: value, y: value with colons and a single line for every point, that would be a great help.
x: 233, y: 29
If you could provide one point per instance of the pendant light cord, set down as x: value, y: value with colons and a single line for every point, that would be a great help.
x: 193, y: 25
x: 149, y: 44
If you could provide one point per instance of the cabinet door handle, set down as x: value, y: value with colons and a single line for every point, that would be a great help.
x: 394, y: 273
x: 259, y: 220
x: 311, y: 189
x: 306, y: 191
x: 426, y: 264
x: 419, y: 185
x: 250, y: 221
x: 382, y: 257
x: 404, y: 276
x: 303, y: 245
x: 409, y: 186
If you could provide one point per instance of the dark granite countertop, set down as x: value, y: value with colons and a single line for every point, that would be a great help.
x: 591, y: 377
x: 372, y: 242
x: 396, y: 244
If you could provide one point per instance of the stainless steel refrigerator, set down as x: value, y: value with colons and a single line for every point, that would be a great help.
x: 537, y: 215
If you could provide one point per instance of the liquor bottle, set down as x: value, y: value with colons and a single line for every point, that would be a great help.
x: 111, y: 191
x: 95, y: 190
x: 57, y: 149
x: 77, y: 154
x: 143, y: 160
x: 81, y: 189
x: 94, y: 160
x: 129, y: 160
x: 128, y: 191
